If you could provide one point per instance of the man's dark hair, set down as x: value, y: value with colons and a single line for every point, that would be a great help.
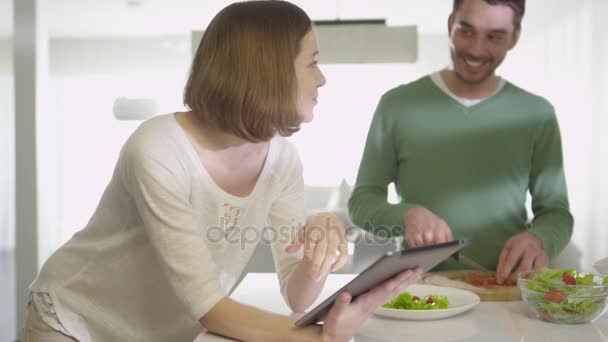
x: 518, y: 7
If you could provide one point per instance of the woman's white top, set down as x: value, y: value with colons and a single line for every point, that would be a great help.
x: 166, y: 243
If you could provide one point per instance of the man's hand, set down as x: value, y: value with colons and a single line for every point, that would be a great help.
x: 323, y: 238
x: 525, y: 248
x: 423, y: 228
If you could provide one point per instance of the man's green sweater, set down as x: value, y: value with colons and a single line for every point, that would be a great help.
x: 471, y: 166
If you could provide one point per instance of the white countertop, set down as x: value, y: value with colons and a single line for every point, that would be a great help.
x: 488, y: 321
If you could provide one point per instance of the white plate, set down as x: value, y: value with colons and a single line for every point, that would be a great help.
x: 458, y: 301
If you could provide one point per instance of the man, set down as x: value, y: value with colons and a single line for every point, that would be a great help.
x: 463, y: 147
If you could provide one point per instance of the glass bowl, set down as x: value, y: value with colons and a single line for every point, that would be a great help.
x: 558, y: 302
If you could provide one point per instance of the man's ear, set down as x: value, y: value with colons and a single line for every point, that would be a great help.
x: 516, y: 35
x: 450, y: 24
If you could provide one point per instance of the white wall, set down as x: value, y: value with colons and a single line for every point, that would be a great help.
x: 598, y: 236
x: 7, y: 148
x: 6, y: 56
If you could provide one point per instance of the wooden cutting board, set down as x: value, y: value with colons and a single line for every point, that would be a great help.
x: 489, y: 293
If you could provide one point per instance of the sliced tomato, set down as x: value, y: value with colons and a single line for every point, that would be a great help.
x: 491, y: 281
x: 568, y: 279
x: 554, y: 296
x: 485, y: 281
x: 476, y: 282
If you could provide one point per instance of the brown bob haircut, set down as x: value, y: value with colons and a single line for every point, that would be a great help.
x: 518, y: 7
x: 242, y: 79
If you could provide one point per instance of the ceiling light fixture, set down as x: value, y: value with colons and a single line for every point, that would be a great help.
x: 134, y: 3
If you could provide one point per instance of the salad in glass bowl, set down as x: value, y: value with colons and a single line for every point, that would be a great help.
x: 564, y: 295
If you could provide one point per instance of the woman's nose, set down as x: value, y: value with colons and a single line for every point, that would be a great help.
x: 321, y: 79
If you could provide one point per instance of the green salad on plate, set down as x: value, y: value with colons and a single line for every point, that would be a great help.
x: 407, y: 301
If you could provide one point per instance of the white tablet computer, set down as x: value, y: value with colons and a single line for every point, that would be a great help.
x: 386, y: 267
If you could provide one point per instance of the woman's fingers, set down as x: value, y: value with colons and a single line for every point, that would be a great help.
x: 311, y: 239
x: 342, y: 258
x: 325, y: 247
x: 297, y: 242
x: 342, y: 302
x: 329, y: 257
x: 318, y: 257
x: 409, y: 277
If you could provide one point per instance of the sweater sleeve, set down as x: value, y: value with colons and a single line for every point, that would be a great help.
x: 368, y: 205
x: 160, y: 188
x: 286, y: 217
x: 552, y: 221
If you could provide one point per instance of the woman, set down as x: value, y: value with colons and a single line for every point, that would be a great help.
x: 173, y: 229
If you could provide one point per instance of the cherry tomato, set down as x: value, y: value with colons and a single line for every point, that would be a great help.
x: 554, y: 296
x: 568, y: 279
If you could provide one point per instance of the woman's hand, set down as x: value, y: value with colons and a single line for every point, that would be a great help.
x: 322, y: 237
x: 345, y: 318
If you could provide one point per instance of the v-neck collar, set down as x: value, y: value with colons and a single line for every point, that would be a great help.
x: 467, y: 109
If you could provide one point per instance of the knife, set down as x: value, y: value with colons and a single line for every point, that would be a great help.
x: 467, y: 261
